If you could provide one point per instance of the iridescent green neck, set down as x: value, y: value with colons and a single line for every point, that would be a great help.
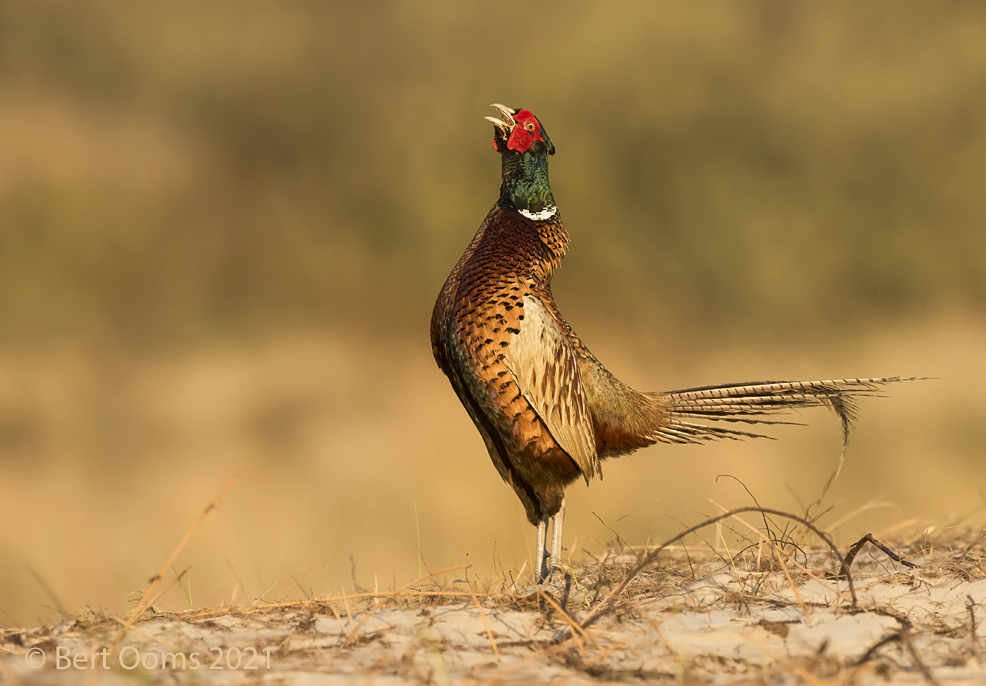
x: 525, y: 181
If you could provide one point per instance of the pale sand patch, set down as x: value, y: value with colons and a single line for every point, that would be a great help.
x: 694, y: 617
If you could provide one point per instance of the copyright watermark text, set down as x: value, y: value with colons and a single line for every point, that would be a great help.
x: 129, y: 657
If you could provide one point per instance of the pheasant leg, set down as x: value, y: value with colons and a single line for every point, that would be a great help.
x: 557, y: 522
x: 547, y: 561
x: 541, y: 566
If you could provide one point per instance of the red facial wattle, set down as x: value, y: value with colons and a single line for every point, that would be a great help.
x: 527, y: 130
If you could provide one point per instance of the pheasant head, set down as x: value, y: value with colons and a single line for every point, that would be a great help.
x: 524, y: 145
x: 519, y: 131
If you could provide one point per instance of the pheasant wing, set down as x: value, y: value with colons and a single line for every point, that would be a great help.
x: 543, y: 362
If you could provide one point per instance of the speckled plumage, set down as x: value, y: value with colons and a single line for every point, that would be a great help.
x: 548, y: 411
x: 499, y: 288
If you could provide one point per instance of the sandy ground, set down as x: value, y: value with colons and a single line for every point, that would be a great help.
x: 695, y: 616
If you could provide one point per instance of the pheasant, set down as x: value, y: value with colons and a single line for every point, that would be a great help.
x: 548, y: 410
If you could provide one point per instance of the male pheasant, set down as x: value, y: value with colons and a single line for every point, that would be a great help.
x: 548, y: 410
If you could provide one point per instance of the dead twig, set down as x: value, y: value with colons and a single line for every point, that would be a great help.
x: 605, y: 605
x: 777, y: 556
x: 868, y: 538
x: 786, y: 556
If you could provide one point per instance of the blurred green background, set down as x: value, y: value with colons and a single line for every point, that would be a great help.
x: 223, y: 226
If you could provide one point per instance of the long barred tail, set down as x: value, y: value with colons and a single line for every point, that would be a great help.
x: 755, y: 403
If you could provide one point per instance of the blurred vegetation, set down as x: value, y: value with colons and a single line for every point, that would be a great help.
x: 169, y: 171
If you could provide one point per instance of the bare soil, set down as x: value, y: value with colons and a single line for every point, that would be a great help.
x: 695, y: 615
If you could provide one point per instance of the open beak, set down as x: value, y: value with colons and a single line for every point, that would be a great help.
x: 508, y: 123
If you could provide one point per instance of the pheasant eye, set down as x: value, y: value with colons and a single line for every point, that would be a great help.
x: 529, y: 126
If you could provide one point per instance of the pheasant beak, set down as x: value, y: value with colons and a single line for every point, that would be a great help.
x: 507, y: 124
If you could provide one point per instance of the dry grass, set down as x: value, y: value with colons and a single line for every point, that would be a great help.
x: 586, y: 626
